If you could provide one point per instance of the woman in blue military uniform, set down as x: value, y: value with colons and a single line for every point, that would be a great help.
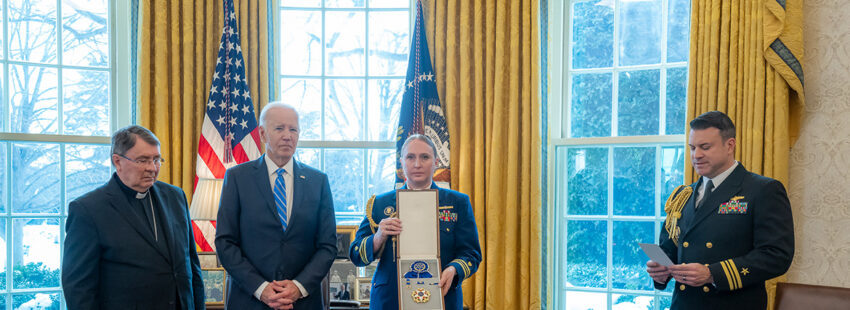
x: 460, y: 252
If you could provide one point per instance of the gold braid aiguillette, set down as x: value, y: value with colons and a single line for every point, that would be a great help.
x: 674, y: 205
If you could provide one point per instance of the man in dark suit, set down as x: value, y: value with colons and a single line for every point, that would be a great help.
x: 731, y: 235
x: 276, y: 232
x: 129, y: 243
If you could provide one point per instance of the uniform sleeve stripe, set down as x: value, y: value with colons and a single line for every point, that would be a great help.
x: 463, y: 266
x: 735, y: 272
x: 363, y: 256
x: 729, y: 278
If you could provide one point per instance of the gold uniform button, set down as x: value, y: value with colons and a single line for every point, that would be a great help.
x: 709, y: 245
x: 705, y: 289
x: 682, y: 287
x: 685, y: 244
x: 356, y: 248
x: 447, y: 229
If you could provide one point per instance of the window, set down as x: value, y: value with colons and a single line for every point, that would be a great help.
x: 343, y: 64
x: 57, y: 100
x: 618, y: 124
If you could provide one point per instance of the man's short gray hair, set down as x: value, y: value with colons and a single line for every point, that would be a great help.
x: 272, y: 105
x: 125, y: 138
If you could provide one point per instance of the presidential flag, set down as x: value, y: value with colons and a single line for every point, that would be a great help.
x: 229, y: 135
x: 421, y: 112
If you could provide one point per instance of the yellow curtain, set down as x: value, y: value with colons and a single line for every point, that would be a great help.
x: 486, y: 58
x: 178, y: 48
x: 746, y: 61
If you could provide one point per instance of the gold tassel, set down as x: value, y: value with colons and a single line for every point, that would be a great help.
x: 674, y: 205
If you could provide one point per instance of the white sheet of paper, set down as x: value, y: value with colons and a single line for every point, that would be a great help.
x: 656, y: 254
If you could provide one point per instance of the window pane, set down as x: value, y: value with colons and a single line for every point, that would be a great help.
x: 32, y: 30
x: 640, y: 32
x: 35, y: 175
x: 381, y: 171
x: 389, y: 4
x: 302, y: 3
x: 384, y: 106
x: 308, y: 156
x: 40, y: 301
x: 629, y: 268
x: 3, y: 174
x: 632, y: 302
x: 345, y: 43
x: 85, y: 35
x: 301, y: 42
x: 389, y: 42
x: 345, y: 3
x: 590, y: 109
x: 678, y: 22
x: 677, y: 90
x: 36, y: 258
x: 306, y: 97
x: 33, y: 99
x: 86, y: 168
x: 586, y: 301
x: 638, y: 103
x: 664, y: 302
x: 672, y: 172
x: 586, y: 255
x: 344, y: 110
x: 587, y: 183
x: 345, y: 170
x: 86, y: 102
x: 634, y: 181
x: 593, y: 34
x: 3, y: 257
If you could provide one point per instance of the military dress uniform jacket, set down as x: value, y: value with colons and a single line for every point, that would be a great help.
x: 743, y: 232
x: 459, y: 247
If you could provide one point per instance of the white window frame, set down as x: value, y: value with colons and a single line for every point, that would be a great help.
x: 121, y: 111
x: 558, y: 118
x: 365, y: 145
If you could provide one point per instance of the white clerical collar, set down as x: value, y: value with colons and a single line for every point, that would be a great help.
x: 720, y: 177
x: 142, y: 195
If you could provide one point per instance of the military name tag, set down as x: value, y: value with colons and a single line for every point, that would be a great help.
x: 418, y: 253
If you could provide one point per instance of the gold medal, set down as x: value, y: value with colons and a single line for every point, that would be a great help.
x: 421, y: 295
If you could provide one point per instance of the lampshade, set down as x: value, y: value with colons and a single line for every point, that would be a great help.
x: 205, y: 201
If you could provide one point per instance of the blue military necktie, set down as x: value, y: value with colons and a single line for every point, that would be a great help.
x: 280, y: 197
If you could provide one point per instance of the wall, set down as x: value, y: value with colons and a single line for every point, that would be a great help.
x: 820, y: 160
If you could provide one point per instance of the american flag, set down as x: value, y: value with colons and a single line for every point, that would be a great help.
x: 421, y: 111
x: 229, y: 135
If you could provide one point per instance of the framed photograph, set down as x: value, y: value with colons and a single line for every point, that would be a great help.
x: 341, y: 279
x: 214, y: 286
x: 363, y: 289
x: 208, y: 260
x: 344, y: 236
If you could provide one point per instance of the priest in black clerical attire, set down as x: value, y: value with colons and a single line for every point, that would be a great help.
x: 129, y: 243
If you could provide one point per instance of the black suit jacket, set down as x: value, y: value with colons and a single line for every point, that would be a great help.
x: 744, y: 233
x: 111, y: 259
x: 252, y: 245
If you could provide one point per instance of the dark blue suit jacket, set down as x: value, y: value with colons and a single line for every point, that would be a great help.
x: 459, y: 247
x: 252, y: 245
x: 742, y: 248
x: 111, y: 259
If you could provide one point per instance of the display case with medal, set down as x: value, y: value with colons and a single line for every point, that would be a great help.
x: 418, y: 250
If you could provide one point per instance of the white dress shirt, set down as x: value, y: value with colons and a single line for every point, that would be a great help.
x: 716, y: 180
x: 287, y: 180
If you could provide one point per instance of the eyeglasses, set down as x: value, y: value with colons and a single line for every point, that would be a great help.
x: 158, y: 161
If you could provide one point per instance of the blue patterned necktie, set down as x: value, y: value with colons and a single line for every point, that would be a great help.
x: 280, y: 197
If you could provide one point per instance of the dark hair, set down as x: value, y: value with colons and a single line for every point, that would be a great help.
x: 125, y: 138
x: 422, y: 138
x: 717, y: 120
